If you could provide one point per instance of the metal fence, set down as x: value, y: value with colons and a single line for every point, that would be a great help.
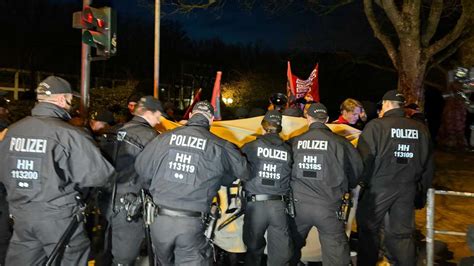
x: 20, y: 80
x: 430, y: 215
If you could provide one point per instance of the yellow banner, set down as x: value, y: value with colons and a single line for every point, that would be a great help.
x: 241, y: 131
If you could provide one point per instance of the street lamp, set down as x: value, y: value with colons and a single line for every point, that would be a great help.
x: 227, y: 100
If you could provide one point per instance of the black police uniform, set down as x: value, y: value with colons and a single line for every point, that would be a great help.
x: 5, y: 228
x: 325, y: 167
x: 127, y: 236
x: 186, y: 167
x: 397, y: 154
x: 43, y: 160
x: 4, y: 122
x: 266, y: 191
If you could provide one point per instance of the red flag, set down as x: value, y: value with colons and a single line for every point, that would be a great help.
x: 197, y: 98
x: 216, y: 96
x: 291, y: 84
x: 307, y: 89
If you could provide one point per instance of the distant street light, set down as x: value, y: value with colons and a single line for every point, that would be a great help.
x: 227, y: 100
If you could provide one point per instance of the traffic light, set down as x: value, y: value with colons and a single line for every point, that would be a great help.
x: 99, y: 25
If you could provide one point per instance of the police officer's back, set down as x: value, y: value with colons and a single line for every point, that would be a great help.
x: 186, y: 167
x: 266, y: 193
x: 132, y: 137
x: 5, y: 230
x: 43, y: 162
x: 4, y: 120
x: 325, y: 167
x: 397, y: 156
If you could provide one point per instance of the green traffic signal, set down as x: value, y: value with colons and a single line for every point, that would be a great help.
x: 94, y: 39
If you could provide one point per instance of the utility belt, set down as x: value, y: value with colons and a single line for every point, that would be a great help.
x: 264, y: 197
x: 179, y: 213
x: 208, y: 219
x: 287, y: 199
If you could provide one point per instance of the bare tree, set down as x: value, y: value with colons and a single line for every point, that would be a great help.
x: 413, y: 49
x: 410, y: 38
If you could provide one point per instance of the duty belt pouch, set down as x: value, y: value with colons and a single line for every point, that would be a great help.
x: 345, y: 208
x: 132, y: 205
x: 149, y: 208
x: 290, y: 204
x: 420, y: 196
x: 210, y: 221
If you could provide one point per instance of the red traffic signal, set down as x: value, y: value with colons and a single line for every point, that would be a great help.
x: 99, y: 29
x: 94, y: 17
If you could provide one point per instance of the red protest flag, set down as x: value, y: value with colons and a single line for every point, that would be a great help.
x: 197, y: 98
x: 313, y: 93
x: 291, y: 84
x: 216, y: 96
x: 303, y: 89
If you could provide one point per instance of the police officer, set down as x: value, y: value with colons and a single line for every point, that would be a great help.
x: 127, y: 235
x: 43, y: 160
x: 186, y: 167
x: 266, y: 193
x: 4, y: 112
x: 397, y: 156
x: 101, y: 122
x: 5, y: 230
x: 325, y: 167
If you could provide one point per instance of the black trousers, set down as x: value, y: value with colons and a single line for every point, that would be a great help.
x: 180, y: 241
x: 267, y: 216
x: 5, y: 230
x: 332, y: 236
x: 396, y: 200
x: 33, y: 240
x: 126, y: 238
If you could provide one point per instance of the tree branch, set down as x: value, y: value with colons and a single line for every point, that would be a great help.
x: 322, y: 9
x: 452, y: 49
x: 374, y: 65
x: 393, y: 15
x: 467, y: 9
x: 433, y: 21
x: 411, y: 11
x: 442, y: 69
x: 185, y: 7
x: 433, y: 84
x: 385, y: 39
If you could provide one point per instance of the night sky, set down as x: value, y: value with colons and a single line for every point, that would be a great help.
x: 293, y: 28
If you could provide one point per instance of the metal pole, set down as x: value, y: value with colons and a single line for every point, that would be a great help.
x: 85, y: 73
x: 156, y: 73
x: 430, y: 212
x: 455, y: 193
x: 17, y: 85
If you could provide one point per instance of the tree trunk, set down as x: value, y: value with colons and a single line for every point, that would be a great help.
x: 453, y: 123
x: 411, y: 71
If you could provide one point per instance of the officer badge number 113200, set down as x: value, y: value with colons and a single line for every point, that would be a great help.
x: 24, y: 169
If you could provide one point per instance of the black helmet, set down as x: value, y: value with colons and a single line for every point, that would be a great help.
x: 279, y: 99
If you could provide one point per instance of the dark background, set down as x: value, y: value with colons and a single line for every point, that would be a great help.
x: 38, y: 36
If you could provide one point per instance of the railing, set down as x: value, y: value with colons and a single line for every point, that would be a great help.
x: 430, y: 213
x: 21, y: 80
